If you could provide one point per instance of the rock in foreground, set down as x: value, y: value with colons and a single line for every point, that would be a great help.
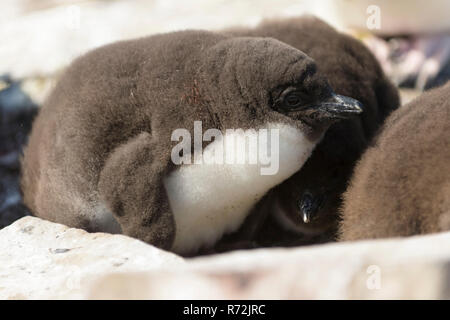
x: 44, y: 260
x: 40, y: 259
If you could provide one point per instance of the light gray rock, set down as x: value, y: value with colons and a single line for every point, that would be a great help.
x: 44, y: 260
x: 56, y: 32
x: 409, y: 268
x: 395, y: 17
x: 419, y: 280
x: 42, y: 37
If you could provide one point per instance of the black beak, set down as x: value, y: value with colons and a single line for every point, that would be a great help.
x: 308, y: 206
x: 339, y: 107
x: 306, y: 216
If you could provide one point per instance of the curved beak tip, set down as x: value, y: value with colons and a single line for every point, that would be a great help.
x: 306, y: 217
x: 341, y: 107
x: 348, y: 104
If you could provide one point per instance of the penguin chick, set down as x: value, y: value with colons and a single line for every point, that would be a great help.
x: 401, y: 185
x: 100, y: 152
x: 307, y: 204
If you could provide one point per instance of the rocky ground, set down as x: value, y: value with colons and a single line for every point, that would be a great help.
x: 39, y: 259
x: 44, y: 260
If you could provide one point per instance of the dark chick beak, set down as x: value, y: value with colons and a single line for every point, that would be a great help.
x: 339, y: 107
x: 306, y: 210
x: 309, y: 206
x: 306, y: 216
x: 306, y: 206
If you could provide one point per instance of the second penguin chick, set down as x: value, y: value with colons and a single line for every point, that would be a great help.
x: 401, y: 185
x: 308, y: 202
x: 100, y: 155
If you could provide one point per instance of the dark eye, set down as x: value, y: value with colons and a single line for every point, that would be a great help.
x: 292, y: 99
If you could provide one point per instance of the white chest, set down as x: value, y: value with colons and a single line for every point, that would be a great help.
x: 211, y: 199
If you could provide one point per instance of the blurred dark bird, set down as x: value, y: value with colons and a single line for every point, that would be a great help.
x: 17, y: 112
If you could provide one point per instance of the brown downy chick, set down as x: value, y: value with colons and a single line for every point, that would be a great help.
x: 401, y: 185
x: 307, y: 203
x: 100, y: 152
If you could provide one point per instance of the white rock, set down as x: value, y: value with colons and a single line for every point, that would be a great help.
x: 44, y: 260
x: 410, y: 268
x: 395, y: 17
x: 56, y: 33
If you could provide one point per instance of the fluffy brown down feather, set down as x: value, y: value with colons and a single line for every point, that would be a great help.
x: 401, y: 185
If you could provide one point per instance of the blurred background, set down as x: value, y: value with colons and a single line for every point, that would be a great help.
x: 411, y: 40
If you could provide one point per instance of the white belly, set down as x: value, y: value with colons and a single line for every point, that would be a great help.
x: 209, y: 200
